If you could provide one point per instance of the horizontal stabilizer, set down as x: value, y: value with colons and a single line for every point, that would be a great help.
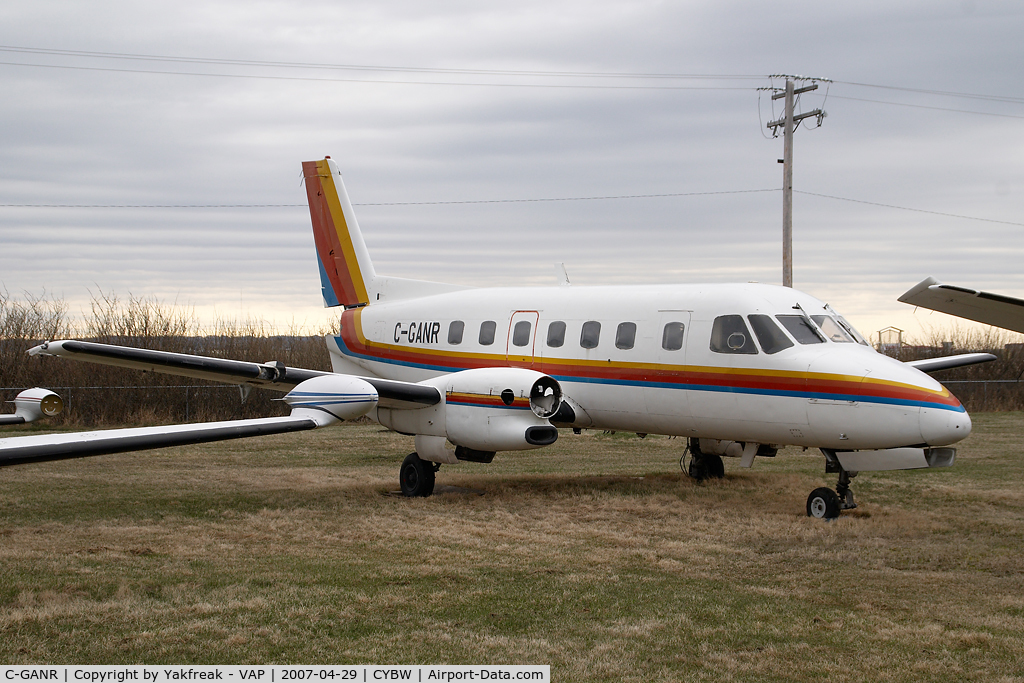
x: 947, y: 362
x: 983, y: 307
x: 19, y: 450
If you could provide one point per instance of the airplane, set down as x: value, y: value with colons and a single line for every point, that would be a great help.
x: 983, y: 307
x: 738, y: 370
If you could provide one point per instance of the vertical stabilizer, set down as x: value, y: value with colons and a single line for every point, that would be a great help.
x: 346, y: 273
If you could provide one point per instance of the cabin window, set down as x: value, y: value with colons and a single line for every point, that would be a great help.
x: 556, y: 334
x: 625, y: 335
x: 801, y: 328
x: 832, y: 329
x: 729, y: 334
x: 455, y: 331
x: 771, y: 337
x: 521, y: 333
x: 487, y: 332
x: 590, y: 335
x: 672, y: 336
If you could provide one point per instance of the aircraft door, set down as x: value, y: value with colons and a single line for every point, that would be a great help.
x: 522, y: 336
x: 664, y: 392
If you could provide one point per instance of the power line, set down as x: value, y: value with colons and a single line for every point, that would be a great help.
x: 377, y: 80
x: 499, y: 201
x: 923, y: 106
x: 906, y: 208
x: 89, y: 54
x: 946, y: 93
x: 462, y: 201
x: 364, y: 67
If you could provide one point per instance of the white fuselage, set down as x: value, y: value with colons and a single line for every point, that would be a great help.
x: 824, y: 393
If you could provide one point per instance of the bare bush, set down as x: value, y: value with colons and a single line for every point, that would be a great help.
x: 106, y: 395
x: 995, y: 385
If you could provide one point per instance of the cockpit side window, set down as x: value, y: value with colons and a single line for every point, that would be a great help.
x: 801, y: 328
x: 729, y: 334
x: 769, y: 335
x: 832, y: 329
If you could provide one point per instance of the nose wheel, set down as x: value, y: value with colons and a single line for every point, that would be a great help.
x: 824, y: 503
x: 417, y: 476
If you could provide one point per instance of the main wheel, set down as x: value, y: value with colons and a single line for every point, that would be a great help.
x: 697, y: 470
x: 416, y: 477
x: 706, y: 466
x: 823, y: 503
x: 715, y: 466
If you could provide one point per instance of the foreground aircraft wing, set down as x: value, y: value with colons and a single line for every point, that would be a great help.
x: 392, y: 393
x: 317, y: 402
x: 983, y: 307
x: 20, y: 450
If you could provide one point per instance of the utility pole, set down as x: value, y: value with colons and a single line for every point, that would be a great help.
x: 789, y: 123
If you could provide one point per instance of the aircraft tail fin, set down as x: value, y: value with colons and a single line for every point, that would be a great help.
x: 347, y: 277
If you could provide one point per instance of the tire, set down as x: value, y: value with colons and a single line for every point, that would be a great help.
x: 698, y: 469
x: 416, y: 477
x: 714, y: 466
x: 823, y: 503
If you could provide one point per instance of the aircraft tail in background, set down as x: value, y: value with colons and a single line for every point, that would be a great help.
x: 347, y: 277
x: 346, y: 273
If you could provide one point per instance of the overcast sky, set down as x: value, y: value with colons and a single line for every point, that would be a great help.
x: 448, y: 122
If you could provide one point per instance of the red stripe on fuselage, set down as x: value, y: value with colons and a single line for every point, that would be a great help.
x: 742, y: 380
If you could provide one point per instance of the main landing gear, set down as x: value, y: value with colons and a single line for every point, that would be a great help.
x: 702, y: 465
x: 417, y: 476
x: 824, y: 503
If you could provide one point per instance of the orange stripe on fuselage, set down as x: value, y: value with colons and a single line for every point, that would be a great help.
x: 783, y: 382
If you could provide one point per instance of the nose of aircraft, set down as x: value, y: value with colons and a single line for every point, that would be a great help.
x: 943, y: 427
x: 941, y: 418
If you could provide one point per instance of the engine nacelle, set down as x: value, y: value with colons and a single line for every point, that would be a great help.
x: 500, y: 409
x: 35, y: 404
x: 330, y: 398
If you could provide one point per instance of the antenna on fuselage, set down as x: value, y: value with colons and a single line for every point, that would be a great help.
x: 563, y: 277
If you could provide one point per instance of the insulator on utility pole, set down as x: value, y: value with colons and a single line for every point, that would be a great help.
x: 789, y: 123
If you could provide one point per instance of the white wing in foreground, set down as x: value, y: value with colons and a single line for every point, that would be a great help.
x: 317, y: 402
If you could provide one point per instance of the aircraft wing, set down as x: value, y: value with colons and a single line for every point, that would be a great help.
x: 983, y: 307
x: 947, y: 362
x: 20, y: 450
x: 392, y: 393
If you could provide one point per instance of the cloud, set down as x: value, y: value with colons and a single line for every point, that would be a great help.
x: 107, y: 137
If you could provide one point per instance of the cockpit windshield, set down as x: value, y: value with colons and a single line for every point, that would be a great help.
x: 832, y: 329
x: 858, y: 337
x: 801, y: 328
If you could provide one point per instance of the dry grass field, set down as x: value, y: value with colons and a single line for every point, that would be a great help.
x: 596, y: 556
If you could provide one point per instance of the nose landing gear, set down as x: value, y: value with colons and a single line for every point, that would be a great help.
x: 824, y: 503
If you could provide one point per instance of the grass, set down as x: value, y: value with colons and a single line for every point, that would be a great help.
x: 596, y: 556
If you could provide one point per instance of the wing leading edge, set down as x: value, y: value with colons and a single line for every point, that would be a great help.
x: 983, y: 307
